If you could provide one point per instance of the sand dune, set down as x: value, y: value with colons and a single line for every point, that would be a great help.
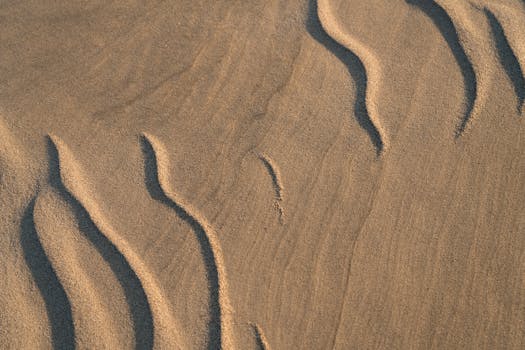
x: 330, y: 174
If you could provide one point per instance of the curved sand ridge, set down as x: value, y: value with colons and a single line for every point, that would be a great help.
x: 88, y: 311
x: 473, y: 41
x: 58, y: 307
x: 262, y: 342
x: 370, y: 63
x: 32, y: 301
x: 221, y: 310
x: 471, y: 45
x: 446, y: 25
x: 74, y: 232
x: 508, y: 29
x: 165, y: 326
x: 275, y: 174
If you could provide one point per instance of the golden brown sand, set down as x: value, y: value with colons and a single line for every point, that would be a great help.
x: 330, y: 174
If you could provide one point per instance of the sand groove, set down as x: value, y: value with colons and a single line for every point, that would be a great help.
x: 275, y: 174
x: 56, y: 300
x: 157, y: 180
x: 443, y: 21
x: 162, y: 329
x: 364, y: 65
x: 88, y: 307
x: 508, y: 58
x: 473, y: 40
x: 468, y: 42
x: 262, y: 342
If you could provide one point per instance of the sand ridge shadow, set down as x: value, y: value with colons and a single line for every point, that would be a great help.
x: 260, y: 339
x: 277, y: 183
x: 507, y: 58
x: 156, y: 192
x: 354, y: 66
x: 57, y: 303
x: 134, y: 292
x: 444, y: 24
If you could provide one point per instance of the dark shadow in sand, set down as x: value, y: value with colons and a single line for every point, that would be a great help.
x: 258, y: 337
x: 507, y: 58
x: 444, y: 23
x: 135, y: 296
x: 55, y: 298
x: 354, y: 66
x: 212, y: 274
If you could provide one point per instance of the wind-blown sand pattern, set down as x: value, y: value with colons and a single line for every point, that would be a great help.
x: 165, y: 326
x: 88, y: 310
x: 221, y: 312
x: 262, y: 343
x: 475, y: 58
x: 370, y: 63
x: 57, y: 303
x: 510, y: 48
x: 30, y: 287
x: 275, y: 174
x: 279, y: 174
x: 448, y: 29
x: 471, y: 37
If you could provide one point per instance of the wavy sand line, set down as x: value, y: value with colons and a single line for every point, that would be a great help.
x: 443, y: 22
x: 165, y: 325
x: 260, y: 339
x: 512, y: 22
x: 88, y: 310
x: 34, y: 303
x: 58, y: 306
x: 139, y: 308
x: 221, y: 310
x: 509, y: 51
x: 275, y: 174
x: 472, y: 41
x: 370, y: 63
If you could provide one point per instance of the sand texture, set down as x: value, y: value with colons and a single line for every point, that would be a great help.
x: 277, y: 174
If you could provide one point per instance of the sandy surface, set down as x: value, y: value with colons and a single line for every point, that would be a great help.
x: 276, y: 174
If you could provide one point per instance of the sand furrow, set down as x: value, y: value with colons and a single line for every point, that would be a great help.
x: 36, y: 309
x: 87, y: 303
x: 162, y: 329
x: 444, y: 23
x: 508, y: 57
x: 361, y: 63
x: 275, y: 175
x: 473, y: 40
x: 260, y: 339
x: 57, y: 302
x: 157, y: 180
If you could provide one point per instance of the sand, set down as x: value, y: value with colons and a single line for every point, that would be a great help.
x: 330, y: 174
